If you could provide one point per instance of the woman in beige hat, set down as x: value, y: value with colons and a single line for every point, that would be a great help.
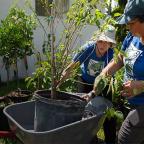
x: 93, y: 57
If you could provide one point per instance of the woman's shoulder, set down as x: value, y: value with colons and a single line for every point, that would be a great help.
x: 88, y: 45
x: 110, y: 50
x: 128, y: 39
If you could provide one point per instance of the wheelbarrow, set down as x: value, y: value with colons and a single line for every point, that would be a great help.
x: 21, y: 118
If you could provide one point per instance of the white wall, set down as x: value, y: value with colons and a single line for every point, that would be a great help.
x: 38, y: 39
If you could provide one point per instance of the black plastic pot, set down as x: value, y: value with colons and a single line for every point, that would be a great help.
x: 54, y: 113
x: 4, y: 126
x: 25, y: 95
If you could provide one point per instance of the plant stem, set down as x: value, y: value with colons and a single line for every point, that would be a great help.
x: 53, y: 66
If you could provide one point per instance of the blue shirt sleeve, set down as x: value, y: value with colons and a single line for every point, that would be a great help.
x: 127, y: 41
x: 110, y: 54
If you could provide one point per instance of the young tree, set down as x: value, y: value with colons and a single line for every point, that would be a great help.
x: 80, y: 14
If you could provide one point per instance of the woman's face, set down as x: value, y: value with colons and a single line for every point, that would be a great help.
x: 103, y: 46
x: 136, y: 27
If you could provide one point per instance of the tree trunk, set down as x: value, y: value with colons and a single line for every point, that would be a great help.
x: 53, y: 65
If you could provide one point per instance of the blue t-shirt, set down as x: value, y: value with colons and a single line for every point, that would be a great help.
x: 134, y: 64
x: 91, y: 65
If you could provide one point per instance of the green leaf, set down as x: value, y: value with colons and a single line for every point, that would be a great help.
x: 117, y: 14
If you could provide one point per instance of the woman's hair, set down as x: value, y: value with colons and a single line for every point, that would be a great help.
x: 140, y: 18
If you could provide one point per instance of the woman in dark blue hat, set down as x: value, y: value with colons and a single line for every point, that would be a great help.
x: 132, y: 129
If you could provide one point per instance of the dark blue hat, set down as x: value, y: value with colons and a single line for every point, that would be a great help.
x: 133, y: 9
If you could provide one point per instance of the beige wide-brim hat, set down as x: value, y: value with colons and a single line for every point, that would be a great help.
x: 107, y: 35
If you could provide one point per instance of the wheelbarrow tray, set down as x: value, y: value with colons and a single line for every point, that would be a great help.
x: 21, y: 117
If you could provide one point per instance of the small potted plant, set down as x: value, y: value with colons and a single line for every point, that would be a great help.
x: 16, y: 42
x: 19, y: 95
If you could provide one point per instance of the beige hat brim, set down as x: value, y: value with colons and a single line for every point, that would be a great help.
x: 105, y: 38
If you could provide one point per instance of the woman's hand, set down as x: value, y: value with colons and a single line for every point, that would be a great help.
x: 132, y: 88
x: 89, y: 95
x: 86, y: 97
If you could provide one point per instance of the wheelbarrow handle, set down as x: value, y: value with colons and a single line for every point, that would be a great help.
x: 7, y: 134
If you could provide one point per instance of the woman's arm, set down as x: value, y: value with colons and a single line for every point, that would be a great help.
x: 113, y: 66
x: 77, y: 60
x: 66, y: 72
x: 102, y: 80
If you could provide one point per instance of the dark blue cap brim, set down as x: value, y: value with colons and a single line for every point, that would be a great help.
x: 123, y: 19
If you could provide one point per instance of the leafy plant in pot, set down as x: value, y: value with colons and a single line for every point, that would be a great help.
x: 16, y: 42
x: 58, y: 56
x: 20, y: 95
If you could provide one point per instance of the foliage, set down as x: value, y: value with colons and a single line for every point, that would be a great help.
x: 121, y: 29
x: 85, y: 12
x: 40, y: 79
x: 16, y: 37
x: 100, y: 83
x: 16, y: 33
x: 8, y: 141
x: 118, y: 115
x: 116, y: 86
x: 4, y: 89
